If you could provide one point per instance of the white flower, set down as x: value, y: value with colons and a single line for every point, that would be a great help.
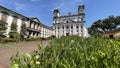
x: 72, y: 41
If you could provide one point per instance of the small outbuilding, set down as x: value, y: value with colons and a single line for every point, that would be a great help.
x: 115, y: 34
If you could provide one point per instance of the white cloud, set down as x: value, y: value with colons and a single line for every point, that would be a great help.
x: 59, y: 6
x: 19, y: 6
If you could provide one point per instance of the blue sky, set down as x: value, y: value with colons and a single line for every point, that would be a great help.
x: 43, y: 9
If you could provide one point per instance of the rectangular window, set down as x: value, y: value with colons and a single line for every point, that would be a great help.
x: 81, y: 26
x: 77, y: 27
x: 82, y: 19
x: 58, y: 27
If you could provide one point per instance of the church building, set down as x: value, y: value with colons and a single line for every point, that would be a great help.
x: 72, y: 24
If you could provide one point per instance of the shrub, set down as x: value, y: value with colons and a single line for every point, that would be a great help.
x: 2, y: 28
x: 15, y: 36
x: 72, y: 52
x: 23, y: 31
x: 6, y: 40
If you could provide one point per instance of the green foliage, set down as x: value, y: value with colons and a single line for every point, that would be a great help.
x: 13, y: 27
x: 104, y: 25
x: 72, y: 52
x: 3, y: 25
x: 2, y: 28
x: 15, y: 35
x: 6, y: 40
x: 23, y: 30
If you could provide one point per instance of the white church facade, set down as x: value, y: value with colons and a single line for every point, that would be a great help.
x: 72, y: 24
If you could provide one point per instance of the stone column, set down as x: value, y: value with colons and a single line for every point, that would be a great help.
x: 74, y: 29
x: 70, y: 29
x: 27, y: 23
x: 41, y: 32
x: 19, y: 23
x: 31, y: 34
x: 9, y: 21
x: 60, y: 31
x: 56, y: 31
x: 45, y: 33
x: 32, y: 24
x: 0, y: 15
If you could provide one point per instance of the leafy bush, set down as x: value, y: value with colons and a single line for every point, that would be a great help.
x: 14, y: 26
x: 5, y: 40
x: 15, y: 36
x: 72, y: 52
x: 2, y: 28
x: 23, y: 31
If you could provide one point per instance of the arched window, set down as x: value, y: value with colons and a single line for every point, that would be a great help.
x: 66, y: 21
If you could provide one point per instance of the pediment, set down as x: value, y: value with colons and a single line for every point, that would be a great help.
x: 35, y: 19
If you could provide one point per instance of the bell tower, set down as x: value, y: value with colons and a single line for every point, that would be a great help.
x: 56, y: 13
x: 81, y: 9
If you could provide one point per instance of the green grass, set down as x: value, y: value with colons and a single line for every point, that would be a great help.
x: 72, y: 52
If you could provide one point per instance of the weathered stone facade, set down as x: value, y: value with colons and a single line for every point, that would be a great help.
x: 34, y: 27
x: 70, y: 24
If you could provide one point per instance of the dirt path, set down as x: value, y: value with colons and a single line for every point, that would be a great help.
x: 25, y: 47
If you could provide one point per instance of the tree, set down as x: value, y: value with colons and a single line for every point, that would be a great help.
x: 23, y: 30
x: 105, y: 25
x: 2, y: 28
x: 13, y: 33
x: 13, y: 27
x: 96, y: 28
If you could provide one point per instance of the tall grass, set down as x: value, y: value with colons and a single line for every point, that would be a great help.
x: 72, y: 52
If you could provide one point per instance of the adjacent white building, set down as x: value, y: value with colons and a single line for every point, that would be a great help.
x: 72, y: 24
x: 33, y: 26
